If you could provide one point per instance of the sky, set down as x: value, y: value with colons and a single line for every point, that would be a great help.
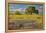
x: 13, y: 7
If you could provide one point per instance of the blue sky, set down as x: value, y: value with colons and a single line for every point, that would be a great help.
x: 13, y: 7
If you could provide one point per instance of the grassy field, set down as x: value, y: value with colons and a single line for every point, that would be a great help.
x: 33, y: 17
x: 26, y: 17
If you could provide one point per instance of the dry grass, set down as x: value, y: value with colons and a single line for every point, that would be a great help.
x: 33, y: 17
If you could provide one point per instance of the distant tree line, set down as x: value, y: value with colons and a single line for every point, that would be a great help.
x: 29, y: 10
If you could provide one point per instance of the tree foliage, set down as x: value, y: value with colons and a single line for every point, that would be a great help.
x: 17, y: 13
x: 30, y: 10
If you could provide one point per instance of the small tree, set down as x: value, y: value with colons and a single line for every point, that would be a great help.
x: 29, y: 10
x: 36, y: 11
x: 17, y: 13
x: 33, y: 8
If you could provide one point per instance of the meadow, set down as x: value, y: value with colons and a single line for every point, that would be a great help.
x: 34, y: 17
